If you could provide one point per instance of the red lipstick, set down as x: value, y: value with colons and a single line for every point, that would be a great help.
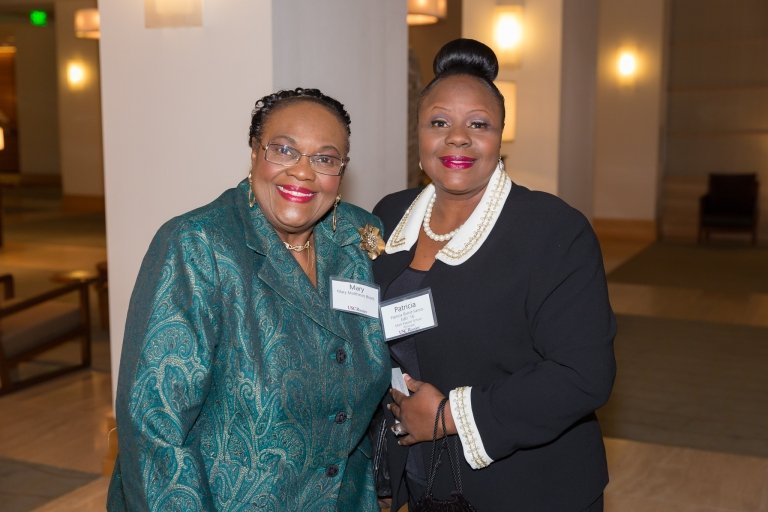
x: 457, y: 162
x: 295, y: 194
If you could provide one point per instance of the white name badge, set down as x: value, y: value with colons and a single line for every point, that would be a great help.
x: 355, y: 297
x: 398, y: 381
x: 408, y: 314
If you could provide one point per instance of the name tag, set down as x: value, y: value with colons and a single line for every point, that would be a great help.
x: 398, y: 381
x: 355, y: 297
x: 408, y: 314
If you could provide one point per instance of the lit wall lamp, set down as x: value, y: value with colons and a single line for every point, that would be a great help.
x: 508, y: 34
x: 2, y: 139
x: 87, y: 23
x: 509, y: 91
x: 173, y: 13
x: 76, y: 75
x: 426, y: 12
x: 627, y: 65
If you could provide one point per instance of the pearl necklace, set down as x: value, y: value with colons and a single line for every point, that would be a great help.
x: 428, y: 217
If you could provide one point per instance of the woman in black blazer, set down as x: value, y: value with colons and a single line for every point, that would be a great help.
x: 523, y: 346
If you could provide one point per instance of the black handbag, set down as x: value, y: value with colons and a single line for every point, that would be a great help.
x: 457, y: 502
x: 378, y: 434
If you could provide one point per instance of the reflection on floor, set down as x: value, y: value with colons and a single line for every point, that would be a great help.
x: 62, y: 423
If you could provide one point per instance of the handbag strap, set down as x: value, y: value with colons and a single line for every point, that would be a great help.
x: 433, y: 464
x: 454, y: 467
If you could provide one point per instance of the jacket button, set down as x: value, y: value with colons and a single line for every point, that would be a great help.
x: 341, y: 417
x: 332, y: 470
x: 341, y: 355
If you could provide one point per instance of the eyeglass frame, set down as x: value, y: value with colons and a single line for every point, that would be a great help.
x: 309, y: 156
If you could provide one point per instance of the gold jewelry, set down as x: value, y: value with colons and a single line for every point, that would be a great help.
x: 251, y: 195
x: 297, y: 248
x: 371, y: 241
x: 420, y: 167
x: 333, y: 219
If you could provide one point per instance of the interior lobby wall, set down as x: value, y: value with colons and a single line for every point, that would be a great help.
x: 80, y: 148
x: 176, y: 109
x: 575, y: 182
x: 717, y: 117
x: 356, y: 52
x: 630, y: 113
x: 532, y: 158
x: 36, y: 97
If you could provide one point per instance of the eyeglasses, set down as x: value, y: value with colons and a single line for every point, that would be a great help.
x: 287, y: 156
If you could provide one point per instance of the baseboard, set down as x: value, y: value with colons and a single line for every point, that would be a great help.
x: 82, y: 204
x: 626, y: 229
x: 110, y: 457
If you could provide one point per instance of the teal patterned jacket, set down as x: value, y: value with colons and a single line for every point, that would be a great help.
x: 240, y: 388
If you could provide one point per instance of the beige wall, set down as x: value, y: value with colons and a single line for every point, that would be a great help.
x: 629, y: 119
x: 80, y: 147
x: 176, y: 106
x: 532, y: 159
x: 36, y: 97
x: 718, y: 101
x: 364, y: 66
x: 718, y: 105
x: 577, y: 105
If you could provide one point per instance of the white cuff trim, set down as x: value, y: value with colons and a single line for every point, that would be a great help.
x: 461, y: 409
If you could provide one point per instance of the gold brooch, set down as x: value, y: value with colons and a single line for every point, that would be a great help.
x: 371, y: 241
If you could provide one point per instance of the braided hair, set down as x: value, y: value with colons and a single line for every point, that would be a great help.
x: 270, y: 103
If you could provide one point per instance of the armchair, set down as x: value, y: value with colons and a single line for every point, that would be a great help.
x: 730, y: 204
x: 31, y: 326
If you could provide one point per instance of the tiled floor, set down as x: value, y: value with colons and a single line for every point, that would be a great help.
x: 63, y: 423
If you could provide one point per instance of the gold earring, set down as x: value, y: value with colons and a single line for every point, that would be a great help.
x: 335, y: 206
x: 251, y: 195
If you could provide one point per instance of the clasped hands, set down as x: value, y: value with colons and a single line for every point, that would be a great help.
x: 416, y: 413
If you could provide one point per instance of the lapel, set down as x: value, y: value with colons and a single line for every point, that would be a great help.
x: 282, y: 274
x: 388, y: 266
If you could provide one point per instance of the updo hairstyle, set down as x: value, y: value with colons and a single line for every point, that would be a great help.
x: 466, y: 57
x: 267, y: 105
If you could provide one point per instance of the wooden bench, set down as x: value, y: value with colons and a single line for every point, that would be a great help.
x: 31, y: 326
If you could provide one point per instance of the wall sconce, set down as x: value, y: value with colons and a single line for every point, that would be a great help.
x: 76, y: 75
x: 2, y: 139
x: 173, y: 13
x: 426, y: 12
x: 87, y: 23
x: 509, y: 91
x: 508, y: 34
x: 627, y: 65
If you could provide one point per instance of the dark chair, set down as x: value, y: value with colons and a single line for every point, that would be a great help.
x: 31, y: 326
x: 730, y: 205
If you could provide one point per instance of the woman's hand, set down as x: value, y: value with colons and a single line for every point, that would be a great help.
x: 417, y: 412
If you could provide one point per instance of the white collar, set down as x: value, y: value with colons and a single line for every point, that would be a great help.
x: 471, y: 234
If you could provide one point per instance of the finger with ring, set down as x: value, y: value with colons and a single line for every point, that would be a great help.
x: 398, y: 429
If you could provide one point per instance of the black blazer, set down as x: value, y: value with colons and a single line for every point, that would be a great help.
x: 527, y: 323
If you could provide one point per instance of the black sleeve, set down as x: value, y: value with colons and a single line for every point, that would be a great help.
x: 573, y: 328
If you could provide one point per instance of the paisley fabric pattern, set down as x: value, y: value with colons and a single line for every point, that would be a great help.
x: 240, y: 388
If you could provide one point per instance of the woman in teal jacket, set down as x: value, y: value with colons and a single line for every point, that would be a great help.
x: 240, y: 387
